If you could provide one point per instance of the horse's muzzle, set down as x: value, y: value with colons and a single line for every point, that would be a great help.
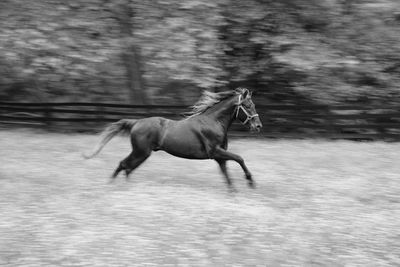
x: 256, y: 127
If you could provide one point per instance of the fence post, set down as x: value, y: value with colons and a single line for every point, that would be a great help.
x: 330, y: 123
x: 48, y: 117
x: 101, y: 113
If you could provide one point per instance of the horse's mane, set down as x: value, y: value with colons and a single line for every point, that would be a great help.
x: 209, y: 99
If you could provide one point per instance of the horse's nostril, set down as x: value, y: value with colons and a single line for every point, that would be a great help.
x: 257, y: 127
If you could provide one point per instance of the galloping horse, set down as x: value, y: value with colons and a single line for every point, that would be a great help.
x: 202, y: 135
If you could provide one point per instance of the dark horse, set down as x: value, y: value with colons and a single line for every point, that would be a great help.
x: 202, y: 135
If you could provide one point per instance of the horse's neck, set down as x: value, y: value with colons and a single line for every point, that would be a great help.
x: 223, y: 112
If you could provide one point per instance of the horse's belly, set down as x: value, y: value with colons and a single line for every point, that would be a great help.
x: 184, y: 145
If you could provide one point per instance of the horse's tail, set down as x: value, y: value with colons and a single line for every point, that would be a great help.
x: 123, y: 126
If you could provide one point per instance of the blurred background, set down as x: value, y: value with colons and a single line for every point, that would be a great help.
x: 157, y: 51
x: 304, y: 60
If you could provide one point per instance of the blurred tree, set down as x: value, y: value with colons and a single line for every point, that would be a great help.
x: 167, y: 51
x: 179, y: 41
x: 125, y: 14
x: 253, y: 37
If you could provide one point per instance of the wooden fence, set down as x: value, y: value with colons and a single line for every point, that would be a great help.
x: 280, y: 121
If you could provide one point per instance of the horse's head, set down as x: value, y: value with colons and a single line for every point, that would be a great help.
x: 246, y: 111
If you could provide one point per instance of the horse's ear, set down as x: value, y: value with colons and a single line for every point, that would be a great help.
x: 246, y: 93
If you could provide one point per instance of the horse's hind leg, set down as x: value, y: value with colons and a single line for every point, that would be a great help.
x: 131, y: 162
x: 135, y: 161
x: 121, y: 166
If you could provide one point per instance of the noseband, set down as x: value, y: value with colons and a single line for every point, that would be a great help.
x: 240, y: 107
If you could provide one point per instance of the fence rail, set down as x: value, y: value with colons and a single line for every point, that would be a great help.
x: 294, y: 121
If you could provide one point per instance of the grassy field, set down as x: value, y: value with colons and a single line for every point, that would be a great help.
x: 317, y: 203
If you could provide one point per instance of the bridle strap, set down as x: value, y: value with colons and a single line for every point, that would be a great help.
x: 239, y: 104
x: 240, y: 107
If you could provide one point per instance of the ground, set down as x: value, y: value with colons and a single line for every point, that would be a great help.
x: 317, y: 203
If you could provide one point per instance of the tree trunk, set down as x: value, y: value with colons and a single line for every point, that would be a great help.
x: 348, y: 6
x: 131, y: 57
x: 134, y: 75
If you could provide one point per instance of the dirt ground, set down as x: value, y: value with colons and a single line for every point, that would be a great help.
x: 317, y: 203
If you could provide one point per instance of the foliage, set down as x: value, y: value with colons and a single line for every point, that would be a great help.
x: 327, y: 51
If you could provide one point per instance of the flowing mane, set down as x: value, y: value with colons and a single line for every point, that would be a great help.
x: 209, y: 99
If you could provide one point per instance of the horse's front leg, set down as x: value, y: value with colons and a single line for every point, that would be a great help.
x: 222, y: 165
x: 223, y: 155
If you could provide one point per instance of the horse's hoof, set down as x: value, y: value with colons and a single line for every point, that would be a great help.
x: 252, y: 184
x: 233, y: 190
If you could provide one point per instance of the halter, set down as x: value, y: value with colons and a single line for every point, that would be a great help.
x: 240, y: 107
